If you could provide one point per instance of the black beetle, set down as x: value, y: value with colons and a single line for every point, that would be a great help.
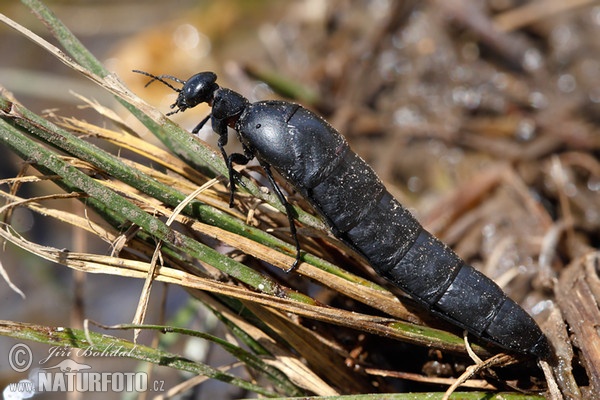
x: 317, y: 161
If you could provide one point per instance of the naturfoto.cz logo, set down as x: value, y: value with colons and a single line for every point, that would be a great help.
x: 68, y: 375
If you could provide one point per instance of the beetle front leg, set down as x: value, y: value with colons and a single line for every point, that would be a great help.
x: 201, y: 125
x: 230, y: 159
x: 220, y: 128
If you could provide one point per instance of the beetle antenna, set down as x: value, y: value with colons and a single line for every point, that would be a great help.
x: 161, y: 78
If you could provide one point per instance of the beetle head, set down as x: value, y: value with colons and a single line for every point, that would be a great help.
x: 198, y: 89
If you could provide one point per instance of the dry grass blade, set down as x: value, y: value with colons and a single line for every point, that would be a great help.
x: 282, y: 358
x: 92, y: 263
x: 151, y: 152
x: 145, y: 294
x: 468, y: 383
x: 9, y: 282
x: 318, y: 355
x: 111, y: 83
x: 471, y: 370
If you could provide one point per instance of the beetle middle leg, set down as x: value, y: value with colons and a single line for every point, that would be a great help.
x: 243, y: 159
x: 237, y: 158
x: 220, y: 127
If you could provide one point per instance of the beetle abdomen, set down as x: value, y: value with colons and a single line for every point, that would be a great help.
x: 362, y: 213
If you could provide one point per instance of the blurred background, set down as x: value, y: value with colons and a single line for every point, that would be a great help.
x: 470, y: 112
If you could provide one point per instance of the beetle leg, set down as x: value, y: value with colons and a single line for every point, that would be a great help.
x: 288, y: 210
x: 201, y: 124
x: 220, y: 128
x: 239, y: 159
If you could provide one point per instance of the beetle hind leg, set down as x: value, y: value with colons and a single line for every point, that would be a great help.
x: 288, y: 210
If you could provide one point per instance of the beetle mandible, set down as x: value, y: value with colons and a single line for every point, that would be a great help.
x: 317, y: 161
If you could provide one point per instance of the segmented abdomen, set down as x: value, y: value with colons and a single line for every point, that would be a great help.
x: 363, y: 214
